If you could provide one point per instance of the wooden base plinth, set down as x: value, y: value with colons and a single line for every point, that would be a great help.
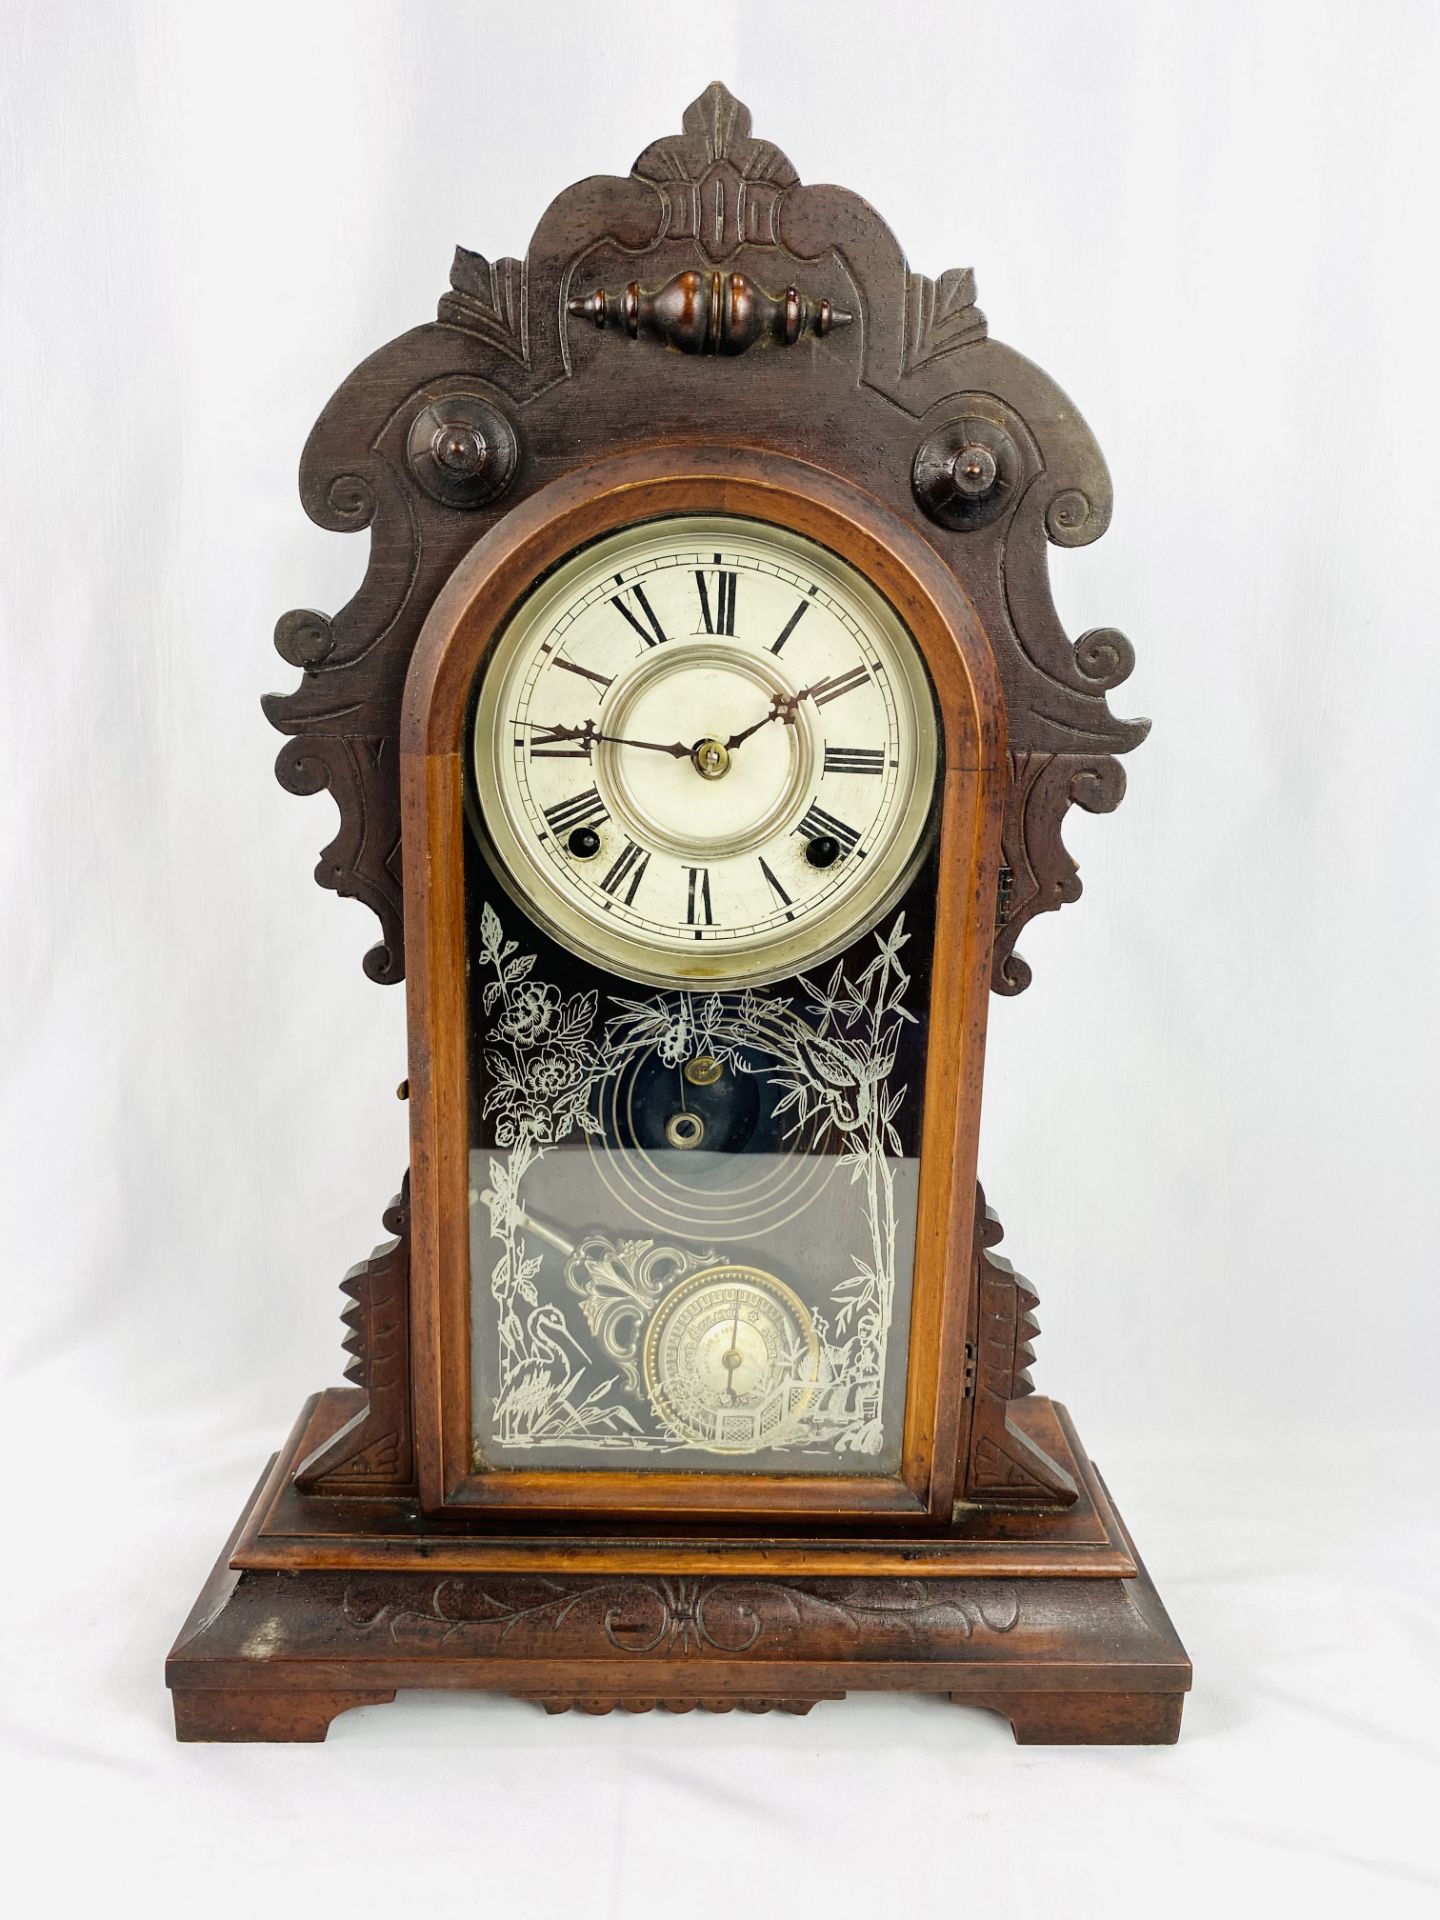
x: 276, y: 1653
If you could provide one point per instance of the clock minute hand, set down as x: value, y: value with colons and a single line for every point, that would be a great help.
x: 587, y: 735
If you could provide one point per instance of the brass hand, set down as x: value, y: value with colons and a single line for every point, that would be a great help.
x: 733, y: 1359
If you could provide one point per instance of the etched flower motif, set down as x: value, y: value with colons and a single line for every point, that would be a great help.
x: 552, y: 1072
x: 673, y: 1044
x: 530, y: 1013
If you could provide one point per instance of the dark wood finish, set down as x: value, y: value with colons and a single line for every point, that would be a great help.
x: 710, y: 313
x: 274, y: 1656
x: 372, y: 1452
x: 917, y: 370
x: 1006, y: 1458
x: 994, y: 1571
x: 289, y: 1530
x: 472, y: 607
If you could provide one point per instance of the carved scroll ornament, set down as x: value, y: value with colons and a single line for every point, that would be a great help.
x: 459, y: 420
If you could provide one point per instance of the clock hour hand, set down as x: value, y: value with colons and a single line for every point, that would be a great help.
x: 782, y: 707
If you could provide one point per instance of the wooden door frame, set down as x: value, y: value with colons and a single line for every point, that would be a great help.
x: 469, y: 613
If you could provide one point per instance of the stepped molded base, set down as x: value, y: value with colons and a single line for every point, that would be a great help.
x: 276, y: 1654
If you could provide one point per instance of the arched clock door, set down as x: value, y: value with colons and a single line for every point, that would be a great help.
x: 702, y: 764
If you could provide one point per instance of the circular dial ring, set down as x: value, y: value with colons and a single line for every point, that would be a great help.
x: 732, y: 1359
x: 705, y: 752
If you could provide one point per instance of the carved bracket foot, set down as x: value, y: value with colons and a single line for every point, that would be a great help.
x: 1085, y: 1719
x: 226, y: 1713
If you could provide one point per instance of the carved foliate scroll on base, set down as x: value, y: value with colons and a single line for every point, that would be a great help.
x: 277, y: 1656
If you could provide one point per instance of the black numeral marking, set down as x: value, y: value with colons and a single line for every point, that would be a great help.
x: 780, y: 894
x: 651, y: 631
x: 582, y: 810
x: 790, y: 625
x: 698, y: 911
x: 723, y: 618
x: 817, y: 822
x: 630, y: 866
x: 603, y: 681
x: 841, y: 683
x: 854, y: 760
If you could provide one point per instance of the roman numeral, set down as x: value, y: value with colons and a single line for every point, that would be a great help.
x: 780, y: 894
x: 630, y: 866
x: 579, y: 811
x: 723, y: 619
x: 557, y: 743
x: 697, y: 907
x: 854, y: 760
x: 603, y: 681
x: 839, y: 684
x: 790, y: 625
x: 652, y: 633
x: 818, y: 821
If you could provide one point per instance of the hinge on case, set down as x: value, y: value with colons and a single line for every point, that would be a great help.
x: 1005, y: 886
x: 969, y: 1388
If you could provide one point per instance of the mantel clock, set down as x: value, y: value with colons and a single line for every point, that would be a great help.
x: 701, y: 735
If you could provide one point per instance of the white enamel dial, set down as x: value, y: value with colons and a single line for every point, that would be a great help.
x: 705, y: 752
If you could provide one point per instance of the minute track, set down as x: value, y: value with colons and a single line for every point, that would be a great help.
x: 693, y: 683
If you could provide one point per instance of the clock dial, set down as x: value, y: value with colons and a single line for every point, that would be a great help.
x: 705, y: 751
x: 732, y: 1361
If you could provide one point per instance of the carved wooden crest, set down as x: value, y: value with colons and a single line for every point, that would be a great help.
x: 729, y: 296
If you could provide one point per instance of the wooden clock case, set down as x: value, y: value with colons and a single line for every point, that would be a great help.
x: 704, y: 335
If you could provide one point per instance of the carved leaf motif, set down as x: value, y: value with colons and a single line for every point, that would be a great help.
x: 487, y: 297
x: 940, y: 316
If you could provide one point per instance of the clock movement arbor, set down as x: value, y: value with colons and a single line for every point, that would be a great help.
x: 701, y: 735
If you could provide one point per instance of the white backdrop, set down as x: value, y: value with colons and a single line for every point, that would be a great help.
x: 1210, y: 1124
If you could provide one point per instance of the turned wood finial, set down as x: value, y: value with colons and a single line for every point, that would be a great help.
x: 710, y: 312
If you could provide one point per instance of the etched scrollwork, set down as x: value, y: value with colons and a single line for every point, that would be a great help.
x: 621, y: 1285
